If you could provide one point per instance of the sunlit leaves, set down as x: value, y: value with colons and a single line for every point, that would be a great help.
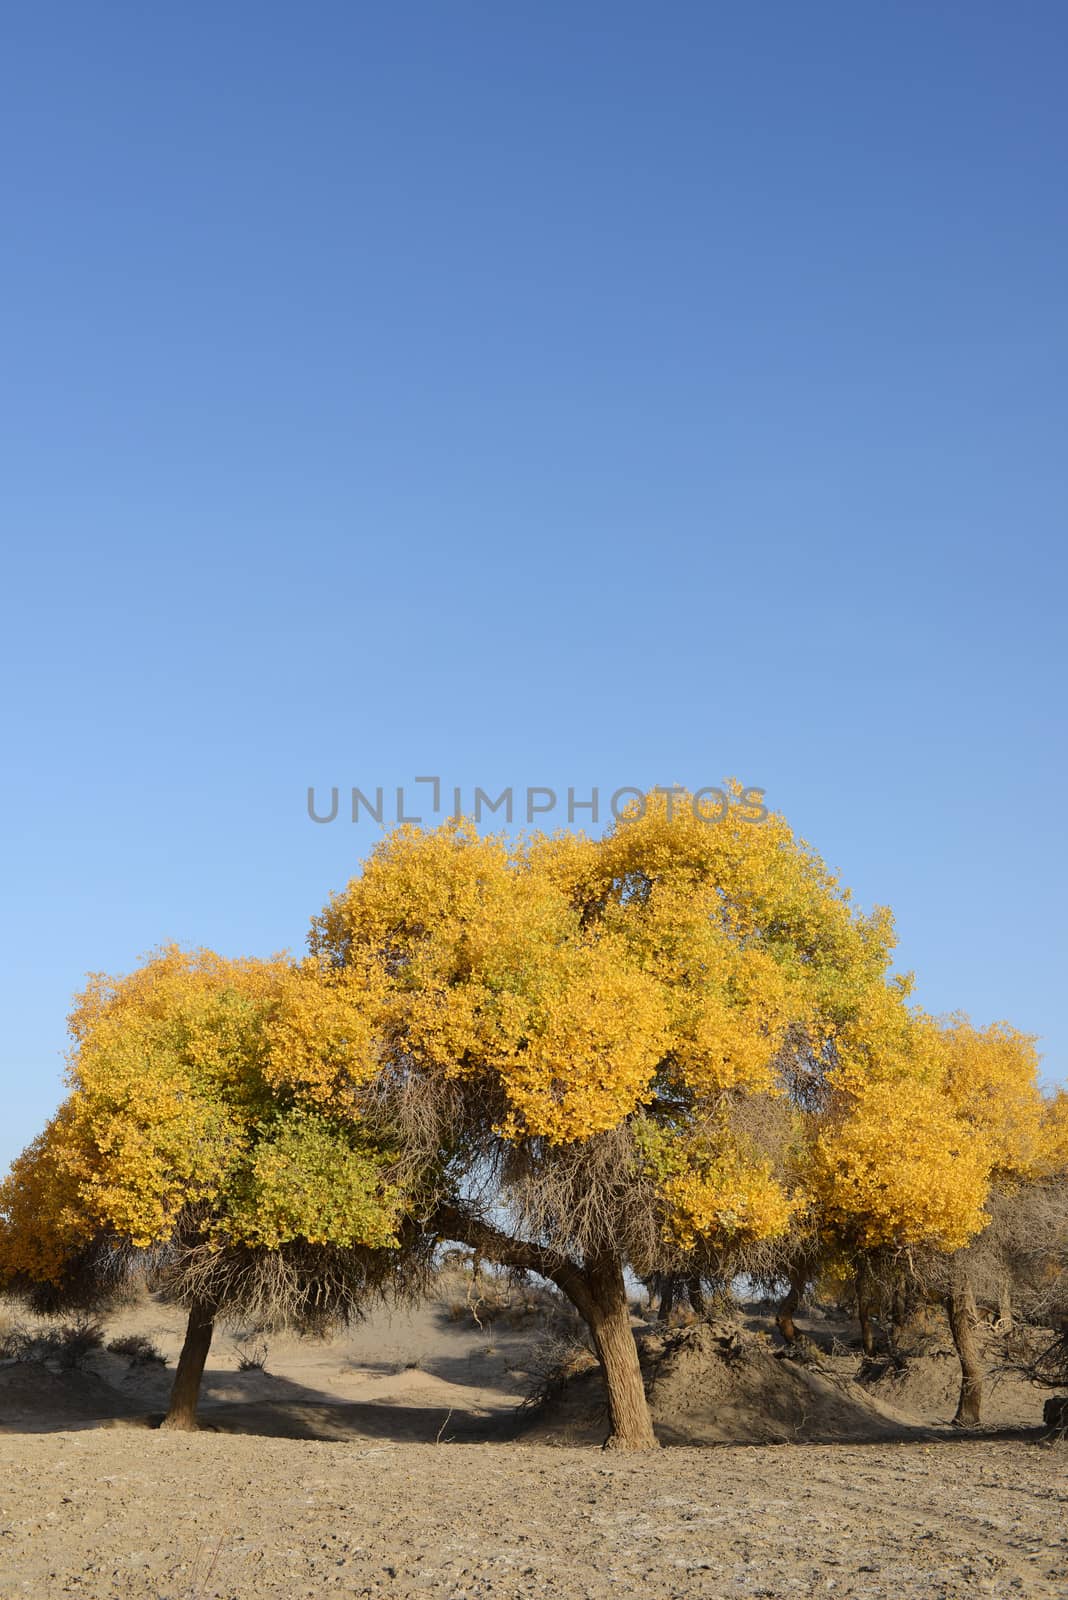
x: 572, y: 984
x: 677, y: 979
x: 901, y: 1168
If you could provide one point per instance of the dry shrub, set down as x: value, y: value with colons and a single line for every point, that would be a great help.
x: 1049, y: 1364
x: 559, y: 1355
x: 470, y: 1293
x: 312, y: 1289
x: 76, y: 1340
x: 139, y: 1350
x: 251, y: 1357
x: 15, y: 1339
x: 67, y: 1344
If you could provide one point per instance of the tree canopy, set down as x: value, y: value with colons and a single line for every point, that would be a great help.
x: 676, y: 1048
x: 176, y: 1149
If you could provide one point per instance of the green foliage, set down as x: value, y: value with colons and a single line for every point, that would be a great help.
x: 307, y: 1178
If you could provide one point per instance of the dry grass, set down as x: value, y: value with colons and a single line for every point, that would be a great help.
x: 251, y: 1357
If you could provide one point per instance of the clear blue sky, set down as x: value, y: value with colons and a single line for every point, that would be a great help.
x: 553, y: 393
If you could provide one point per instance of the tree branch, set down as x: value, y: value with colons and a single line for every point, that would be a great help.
x: 450, y: 1221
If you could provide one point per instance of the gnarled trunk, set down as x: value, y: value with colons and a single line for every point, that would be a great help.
x: 963, y: 1316
x: 182, y: 1411
x: 864, y: 1309
x: 695, y: 1290
x: 597, y: 1290
x: 607, y: 1312
x: 790, y: 1303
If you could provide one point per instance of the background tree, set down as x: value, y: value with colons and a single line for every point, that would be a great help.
x: 1029, y: 1249
x: 921, y: 1139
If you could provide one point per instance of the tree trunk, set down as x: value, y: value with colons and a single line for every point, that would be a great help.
x: 908, y: 1315
x: 667, y: 1297
x: 899, y: 1313
x: 697, y: 1296
x: 1005, y: 1305
x: 597, y: 1290
x: 963, y: 1316
x: 182, y: 1412
x: 867, y: 1334
x: 608, y: 1315
x: 784, y: 1317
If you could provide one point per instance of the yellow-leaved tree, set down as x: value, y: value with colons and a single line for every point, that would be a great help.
x: 587, y: 1038
x: 175, y: 1148
x: 677, y: 1049
x: 927, y: 1123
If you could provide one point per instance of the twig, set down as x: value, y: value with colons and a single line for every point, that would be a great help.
x: 444, y: 1425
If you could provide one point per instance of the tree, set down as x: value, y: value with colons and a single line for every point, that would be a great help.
x: 920, y: 1139
x: 585, y: 1037
x: 1022, y: 1258
x: 676, y: 1049
x: 176, y: 1152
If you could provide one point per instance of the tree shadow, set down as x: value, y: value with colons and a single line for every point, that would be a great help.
x: 35, y: 1400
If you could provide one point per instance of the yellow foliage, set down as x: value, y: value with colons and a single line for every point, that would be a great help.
x: 901, y: 1168
x: 991, y: 1080
x: 42, y: 1220
x: 716, y: 1186
x: 570, y: 984
x: 321, y: 1037
x: 174, y: 1110
x: 728, y: 1203
x: 307, y: 1180
x: 586, y: 1044
x: 671, y: 973
x: 1055, y: 1133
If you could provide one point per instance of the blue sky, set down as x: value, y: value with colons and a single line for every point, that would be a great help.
x: 548, y: 394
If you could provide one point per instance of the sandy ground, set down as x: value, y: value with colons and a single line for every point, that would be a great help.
x: 384, y: 1463
x: 109, y: 1514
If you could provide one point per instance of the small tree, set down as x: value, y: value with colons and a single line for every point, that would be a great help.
x: 913, y: 1151
x: 176, y: 1153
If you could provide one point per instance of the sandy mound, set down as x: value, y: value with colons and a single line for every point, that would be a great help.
x: 718, y: 1384
x: 34, y: 1398
x: 927, y: 1386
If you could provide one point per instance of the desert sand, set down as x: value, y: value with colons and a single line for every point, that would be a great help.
x: 392, y: 1461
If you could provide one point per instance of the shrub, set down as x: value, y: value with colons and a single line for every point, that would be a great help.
x: 251, y: 1358
x: 68, y: 1344
x: 138, y: 1350
x: 76, y: 1340
x: 15, y: 1340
